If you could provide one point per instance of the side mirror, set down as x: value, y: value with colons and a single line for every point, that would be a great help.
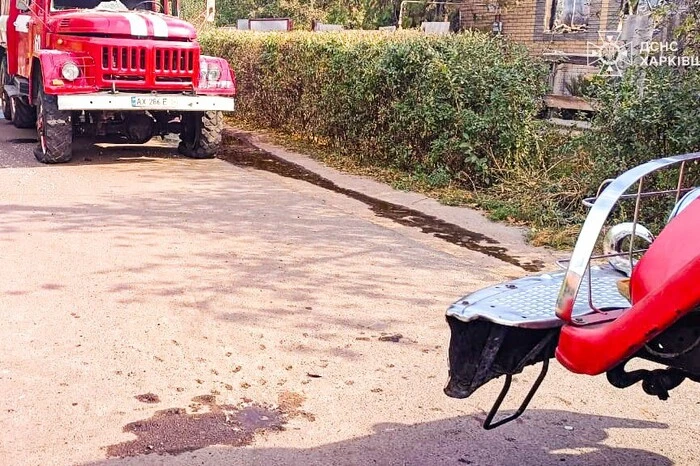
x: 22, y: 5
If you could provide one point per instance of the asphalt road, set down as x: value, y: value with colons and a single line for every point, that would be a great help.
x: 158, y: 310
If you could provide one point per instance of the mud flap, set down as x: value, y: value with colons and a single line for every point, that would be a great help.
x: 481, y: 350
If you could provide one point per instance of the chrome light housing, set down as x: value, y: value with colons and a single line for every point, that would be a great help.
x: 213, y: 72
x: 613, y: 244
x: 70, y: 71
x: 209, y: 72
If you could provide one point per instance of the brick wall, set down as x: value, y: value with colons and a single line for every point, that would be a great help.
x: 525, y: 21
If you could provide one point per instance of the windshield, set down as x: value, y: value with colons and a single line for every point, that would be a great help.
x: 113, y: 5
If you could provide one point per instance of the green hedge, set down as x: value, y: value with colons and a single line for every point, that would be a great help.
x: 451, y: 107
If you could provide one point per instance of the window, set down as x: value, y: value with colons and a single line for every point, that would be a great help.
x: 109, y: 5
x: 569, y: 15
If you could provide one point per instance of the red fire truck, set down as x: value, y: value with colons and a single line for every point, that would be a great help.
x: 122, y: 68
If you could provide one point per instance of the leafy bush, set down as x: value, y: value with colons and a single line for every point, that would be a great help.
x: 647, y: 113
x: 454, y: 107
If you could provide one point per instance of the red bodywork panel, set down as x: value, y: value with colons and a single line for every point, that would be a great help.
x: 129, y: 64
x: 11, y: 41
x: 124, y: 24
x: 109, y: 51
x: 665, y: 285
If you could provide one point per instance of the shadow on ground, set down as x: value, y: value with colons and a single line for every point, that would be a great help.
x: 86, y: 152
x: 542, y: 437
x: 227, y: 205
x: 18, y: 146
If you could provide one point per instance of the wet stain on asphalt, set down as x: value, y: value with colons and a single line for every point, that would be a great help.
x: 23, y: 141
x: 174, y: 431
x: 242, y: 154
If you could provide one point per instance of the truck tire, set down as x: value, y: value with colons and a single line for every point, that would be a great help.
x: 23, y: 114
x: 54, y: 129
x: 200, y: 136
x: 6, y: 104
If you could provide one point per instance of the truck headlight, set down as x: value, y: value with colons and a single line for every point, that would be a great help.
x: 70, y: 71
x: 213, y: 72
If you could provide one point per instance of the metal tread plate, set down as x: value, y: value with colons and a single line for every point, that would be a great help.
x: 530, y: 302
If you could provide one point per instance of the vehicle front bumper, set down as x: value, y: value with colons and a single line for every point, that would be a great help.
x: 124, y: 101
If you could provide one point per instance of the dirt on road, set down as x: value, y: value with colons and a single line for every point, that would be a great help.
x: 158, y: 310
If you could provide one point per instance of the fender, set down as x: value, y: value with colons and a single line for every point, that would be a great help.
x: 225, y: 85
x: 48, y: 64
x: 665, y: 287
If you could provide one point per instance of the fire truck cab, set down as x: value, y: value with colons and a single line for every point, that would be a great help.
x: 125, y: 69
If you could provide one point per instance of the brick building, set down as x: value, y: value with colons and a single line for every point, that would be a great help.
x: 546, y: 25
x: 561, y: 30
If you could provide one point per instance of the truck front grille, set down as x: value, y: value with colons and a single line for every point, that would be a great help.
x: 168, y: 65
x: 174, y: 60
x: 123, y: 59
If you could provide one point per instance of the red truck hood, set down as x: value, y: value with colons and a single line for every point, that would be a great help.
x: 118, y: 23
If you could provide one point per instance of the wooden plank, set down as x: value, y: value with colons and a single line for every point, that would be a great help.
x: 567, y: 102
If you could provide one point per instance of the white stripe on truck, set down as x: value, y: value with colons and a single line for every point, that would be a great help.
x: 137, y: 23
x: 160, y: 27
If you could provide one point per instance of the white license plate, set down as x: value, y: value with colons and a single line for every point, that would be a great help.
x: 153, y: 101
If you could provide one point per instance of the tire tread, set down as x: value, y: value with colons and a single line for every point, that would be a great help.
x: 59, y: 132
x: 208, y: 143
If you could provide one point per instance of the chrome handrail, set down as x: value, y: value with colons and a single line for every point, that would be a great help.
x: 563, y: 263
x: 593, y: 225
x: 589, y: 201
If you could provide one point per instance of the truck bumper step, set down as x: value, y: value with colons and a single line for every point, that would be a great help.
x: 123, y: 101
